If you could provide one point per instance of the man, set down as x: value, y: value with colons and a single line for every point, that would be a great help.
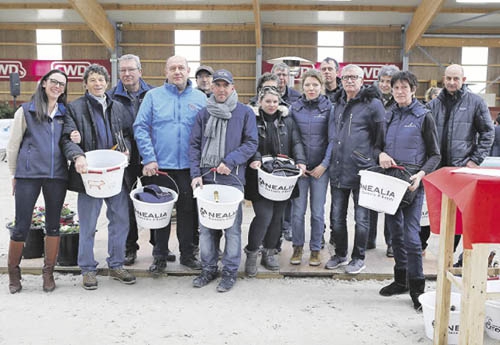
x: 465, y: 128
x: 329, y: 69
x: 288, y: 94
x: 203, y: 76
x: 384, y: 87
x: 91, y: 123
x: 224, y: 136
x: 162, y: 130
x: 356, y: 133
x: 130, y: 91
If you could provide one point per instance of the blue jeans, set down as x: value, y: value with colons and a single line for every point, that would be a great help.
x: 317, y: 199
x: 231, y: 257
x: 405, y: 232
x: 89, y: 209
x: 27, y: 192
x: 340, y: 202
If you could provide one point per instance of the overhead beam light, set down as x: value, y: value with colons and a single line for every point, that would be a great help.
x: 479, y: 1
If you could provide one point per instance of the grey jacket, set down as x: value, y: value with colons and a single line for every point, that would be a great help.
x: 470, y: 127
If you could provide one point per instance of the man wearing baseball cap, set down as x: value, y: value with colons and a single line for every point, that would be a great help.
x: 203, y: 76
x: 224, y: 137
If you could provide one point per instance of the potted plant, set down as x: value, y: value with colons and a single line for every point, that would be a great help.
x: 34, y: 244
x: 68, y: 246
x: 67, y: 214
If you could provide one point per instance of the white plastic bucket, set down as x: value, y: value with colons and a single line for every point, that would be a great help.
x: 153, y: 215
x: 492, y: 312
x: 424, y: 218
x: 276, y: 188
x: 381, y: 193
x: 217, y: 214
x: 428, y: 301
x: 104, y: 177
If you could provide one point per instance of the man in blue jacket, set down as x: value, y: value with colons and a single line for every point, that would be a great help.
x: 356, y: 133
x: 224, y: 137
x: 130, y: 91
x: 162, y: 130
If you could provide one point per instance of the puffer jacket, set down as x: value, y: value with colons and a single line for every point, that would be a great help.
x: 164, y: 122
x: 356, y: 132
x: 312, y: 118
x: 241, y: 145
x: 290, y: 144
x: 80, y: 117
x: 291, y: 96
x: 470, y: 128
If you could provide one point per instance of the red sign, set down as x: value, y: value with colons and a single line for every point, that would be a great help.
x: 370, y: 70
x: 33, y: 70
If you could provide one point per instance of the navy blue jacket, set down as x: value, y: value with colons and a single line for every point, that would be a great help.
x: 40, y: 155
x: 312, y: 119
x: 356, y: 132
x: 291, y: 96
x: 241, y: 145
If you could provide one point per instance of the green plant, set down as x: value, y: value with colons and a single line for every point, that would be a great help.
x: 66, y: 211
x: 71, y: 228
x: 6, y: 111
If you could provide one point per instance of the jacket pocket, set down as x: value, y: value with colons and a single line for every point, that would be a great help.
x: 361, y: 160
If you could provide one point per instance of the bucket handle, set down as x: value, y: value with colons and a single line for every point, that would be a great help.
x: 399, y: 167
x: 102, y: 171
x: 158, y: 172
x: 214, y: 170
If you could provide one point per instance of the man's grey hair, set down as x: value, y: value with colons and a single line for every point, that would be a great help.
x: 388, y: 71
x: 280, y: 66
x: 359, y: 70
x: 130, y: 57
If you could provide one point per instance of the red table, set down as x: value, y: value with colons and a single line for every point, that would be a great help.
x: 478, y: 200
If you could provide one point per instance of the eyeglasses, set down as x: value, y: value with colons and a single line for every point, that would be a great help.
x: 129, y: 70
x: 57, y: 82
x: 352, y: 77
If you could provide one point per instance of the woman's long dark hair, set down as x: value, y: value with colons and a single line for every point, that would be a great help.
x: 40, y: 97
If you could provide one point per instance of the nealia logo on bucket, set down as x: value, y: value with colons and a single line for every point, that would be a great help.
x: 217, y: 216
x: 380, y: 192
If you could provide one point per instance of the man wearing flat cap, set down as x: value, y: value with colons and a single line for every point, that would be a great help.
x: 224, y: 137
x: 203, y: 76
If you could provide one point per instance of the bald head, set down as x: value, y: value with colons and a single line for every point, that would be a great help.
x: 453, y: 78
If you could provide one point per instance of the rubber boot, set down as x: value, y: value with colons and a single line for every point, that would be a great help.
x: 51, y: 250
x: 269, y: 259
x: 417, y: 287
x: 13, y: 261
x: 398, y: 286
x: 251, y: 262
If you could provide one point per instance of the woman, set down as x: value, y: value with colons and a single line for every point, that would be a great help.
x: 93, y: 122
x: 411, y: 141
x: 37, y: 163
x: 278, y: 135
x: 311, y: 113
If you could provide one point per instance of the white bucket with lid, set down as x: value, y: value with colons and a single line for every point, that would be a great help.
x: 217, y: 205
x: 381, y: 193
x: 104, y: 177
x: 428, y: 301
x: 275, y: 187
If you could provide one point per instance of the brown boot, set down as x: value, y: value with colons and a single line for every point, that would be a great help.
x: 14, y: 259
x: 51, y: 250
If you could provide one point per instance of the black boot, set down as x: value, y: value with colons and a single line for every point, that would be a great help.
x: 417, y: 287
x: 398, y: 286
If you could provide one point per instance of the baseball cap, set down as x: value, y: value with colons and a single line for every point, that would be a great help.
x: 205, y: 68
x: 223, y: 74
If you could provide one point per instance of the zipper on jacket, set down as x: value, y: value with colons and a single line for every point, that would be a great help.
x: 52, y: 148
x: 350, y: 122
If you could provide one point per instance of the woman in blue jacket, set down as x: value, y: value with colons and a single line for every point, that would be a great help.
x: 37, y: 163
x: 278, y: 135
x: 411, y: 141
x: 311, y: 113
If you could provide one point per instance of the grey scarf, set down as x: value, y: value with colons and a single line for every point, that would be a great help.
x: 215, y: 131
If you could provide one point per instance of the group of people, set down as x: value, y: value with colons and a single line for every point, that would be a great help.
x: 336, y: 127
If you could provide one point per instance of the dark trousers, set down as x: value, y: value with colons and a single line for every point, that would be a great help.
x: 266, y: 225
x: 372, y: 235
x: 187, y: 220
x: 27, y: 192
x: 131, y: 174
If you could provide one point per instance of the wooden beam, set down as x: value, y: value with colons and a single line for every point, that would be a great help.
x: 422, y: 19
x: 202, y: 27
x: 345, y: 28
x: 34, y: 26
x: 258, y: 24
x: 94, y: 15
x: 466, y: 30
x: 458, y: 42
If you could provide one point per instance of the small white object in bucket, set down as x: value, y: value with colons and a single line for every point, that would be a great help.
x: 428, y: 301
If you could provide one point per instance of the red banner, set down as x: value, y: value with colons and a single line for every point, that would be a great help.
x: 370, y: 69
x: 33, y: 70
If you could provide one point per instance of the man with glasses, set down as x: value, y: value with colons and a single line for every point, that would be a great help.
x: 329, y: 69
x: 288, y: 94
x: 356, y: 133
x: 162, y: 130
x: 130, y: 91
